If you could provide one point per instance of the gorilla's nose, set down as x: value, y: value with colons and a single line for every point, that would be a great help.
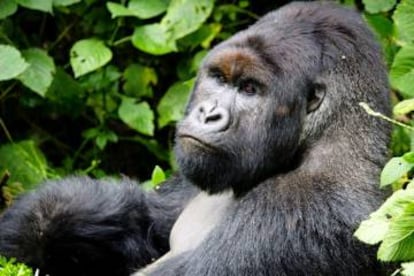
x: 211, y: 117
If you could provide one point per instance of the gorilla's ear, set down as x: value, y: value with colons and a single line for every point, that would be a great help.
x: 315, y: 96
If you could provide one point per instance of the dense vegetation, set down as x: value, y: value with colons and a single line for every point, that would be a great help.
x: 95, y: 87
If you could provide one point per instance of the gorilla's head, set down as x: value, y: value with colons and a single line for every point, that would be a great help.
x: 264, y: 97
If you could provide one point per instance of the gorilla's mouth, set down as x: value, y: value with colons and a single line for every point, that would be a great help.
x: 192, y: 140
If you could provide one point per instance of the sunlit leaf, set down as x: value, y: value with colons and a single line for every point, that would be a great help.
x: 88, y: 55
x: 376, y: 227
x: 41, y: 5
x: 25, y: 162
x: 158, y: 176
x: 11, y: 62
x: 138, y: 116
x: 404, y: 107
x: 7, y: 8
x: 185, y: 16
x: 404, y: 20
x: 396, y: 168
x: 171, y: 106
x: 146, y: 9
x: 64, y: 3
x: 153, y: 39
x: 402, y: 71
x: 375, y: 6
x: 407, y: 269
x: 118, y: 10
x: 39, y: 75
x: 398, y: 243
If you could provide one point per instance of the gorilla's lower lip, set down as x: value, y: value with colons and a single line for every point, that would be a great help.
x: 198, y: 141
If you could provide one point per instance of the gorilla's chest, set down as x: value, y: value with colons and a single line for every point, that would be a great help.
x: 201, y: 215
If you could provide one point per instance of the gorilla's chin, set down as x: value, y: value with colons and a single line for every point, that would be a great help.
x: 205, y: 166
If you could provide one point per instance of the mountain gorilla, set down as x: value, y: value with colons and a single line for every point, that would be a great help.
x: 278, y: 165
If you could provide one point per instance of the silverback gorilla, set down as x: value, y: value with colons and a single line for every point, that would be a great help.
x: 278, y: 165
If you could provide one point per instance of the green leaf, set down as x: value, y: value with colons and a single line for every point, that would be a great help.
x: 376, y: 227
x: 375, y: 6
x: 381, y: 24
x: 138, y: 116
x: 25, y: 162
x: 372, y: 230
x: 145, y: 9
x: 88, y: 55
x: 41, y: 5
x: 171, y: 106
x: 12, y: 268
x: 158, y: 176
x: 402, y: 71
x: 64, y: 3
x: 404, y: 20
x: 11, y: 62
x: 203, y: 36
x: 118, y: 10
x: 185, y: 16
x: 396, y: 168
x: 153, y: 39
x: 404, y: 107
x: 408, y: 269
x: 138, y: 80
x: 398, y: 243
x: 39, y: 75
x: 7, y: 8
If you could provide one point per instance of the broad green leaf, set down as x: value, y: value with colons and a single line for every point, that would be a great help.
x: 404, y: 20
x: 375, y: 6
x: 404, y: 107
x: 138, y: 116
x: 171, y: 106
x: 375, y: 228
x: 39, y: 75
x: 158, y: 176
x: 408, y: 269
x: 64, y: 3
x: 402, y: 71
x: 398, y: 243
x: 88, y: 55
x: 143, y: 9
x: 25, y: 162
x: 41, y: 5
x: 138, y: 80
x: 7, y: 8
x: 153, y: 39
x: 372, y: 230
x: 185, y: 16
x: 396, y: 168
x: 203, y: 36
x: 104, y: 137
x: 11, y: 62
x: 146, y: 9
x: 118, y: 10
x: 381, y: 24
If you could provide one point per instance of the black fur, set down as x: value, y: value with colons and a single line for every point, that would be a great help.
x: 274, y: 117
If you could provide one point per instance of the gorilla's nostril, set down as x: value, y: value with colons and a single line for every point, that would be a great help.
x: 212, y: 118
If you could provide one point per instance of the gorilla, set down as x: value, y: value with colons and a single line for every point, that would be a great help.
x: 278, y: 164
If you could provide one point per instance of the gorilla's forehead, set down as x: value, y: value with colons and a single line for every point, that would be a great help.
x: 237, y: 61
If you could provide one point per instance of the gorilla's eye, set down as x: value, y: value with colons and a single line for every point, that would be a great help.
x: 217, y: 75
x: 249, y: 87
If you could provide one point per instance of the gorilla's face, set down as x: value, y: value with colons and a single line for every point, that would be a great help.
x: 243, y: 120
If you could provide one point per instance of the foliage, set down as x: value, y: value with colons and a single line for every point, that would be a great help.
x: 392, y: 225
x: 11, y: 268
x: 90, y: 86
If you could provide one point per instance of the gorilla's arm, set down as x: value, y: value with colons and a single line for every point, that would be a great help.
x: 81, y: 226
x: 312, y: 230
